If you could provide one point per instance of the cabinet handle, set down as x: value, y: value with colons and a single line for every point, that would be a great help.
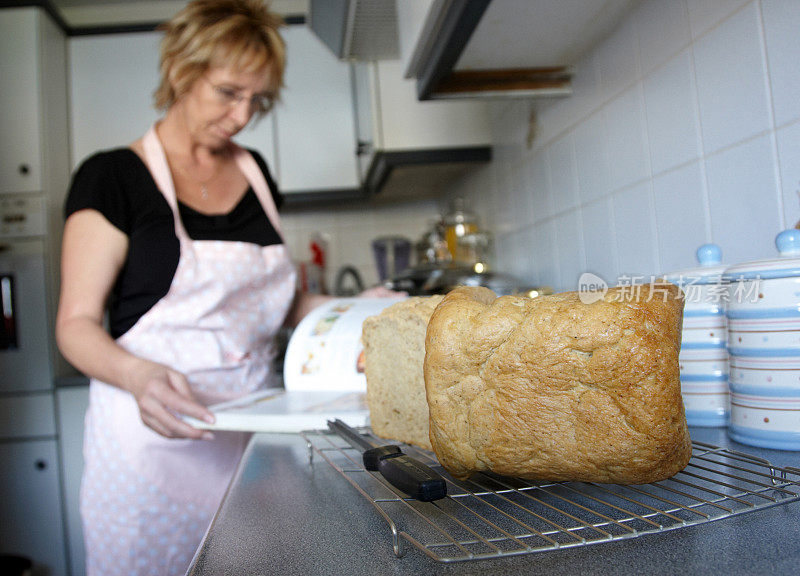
x: 24, y: 169
x: 41, y: 464
x: 363, y: 147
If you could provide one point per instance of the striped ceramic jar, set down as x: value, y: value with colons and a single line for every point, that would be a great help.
x: 703, y: 357
x: 763, y: 312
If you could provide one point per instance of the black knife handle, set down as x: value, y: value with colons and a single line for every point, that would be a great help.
x: 373, y: 456
x: 412, y: 477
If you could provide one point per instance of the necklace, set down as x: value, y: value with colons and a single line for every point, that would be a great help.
x: 203, y: 183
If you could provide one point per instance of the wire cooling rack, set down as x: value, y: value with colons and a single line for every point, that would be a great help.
x: 490, y: 516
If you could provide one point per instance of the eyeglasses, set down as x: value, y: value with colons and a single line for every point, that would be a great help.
x: 230, y: 97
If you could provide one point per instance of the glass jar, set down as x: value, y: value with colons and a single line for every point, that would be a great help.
x: 458, y: 223
x: 475, y: 249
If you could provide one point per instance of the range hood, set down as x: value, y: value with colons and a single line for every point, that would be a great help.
x: 361, y: 30
x: 480, y: 48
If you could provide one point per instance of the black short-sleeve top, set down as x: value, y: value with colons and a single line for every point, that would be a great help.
x: 117, y: 184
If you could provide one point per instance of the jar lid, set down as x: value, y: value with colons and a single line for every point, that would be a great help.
x: 786, y: 265
x: 709, y: 272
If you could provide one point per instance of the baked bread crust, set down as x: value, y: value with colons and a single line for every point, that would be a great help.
x: 394, y: 351
x: 551, y: 388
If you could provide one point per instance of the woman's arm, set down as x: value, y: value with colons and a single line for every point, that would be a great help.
x: 304, y: 302
x: 93, y: 253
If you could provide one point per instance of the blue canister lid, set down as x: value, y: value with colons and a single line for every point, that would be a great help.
x: 709, y: 272
x: 786, y: 265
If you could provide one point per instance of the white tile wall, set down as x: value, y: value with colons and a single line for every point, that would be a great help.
x: 781, y: 26
x: 569, y: 247
x: 627, y: 144
x: 663, y: 31
x: 681, y: 215
x: 788, y: 155
x: 704, y: 14
x: 563, y: 177
x: 636, y: 235
x: 684, y: 128
x: 537, y: 182
x: 730, y: 69
x: 350, y: 231
x: 600, y: 238
x: 591, y: 153
x: 744, y: 199
x: 672, y: 120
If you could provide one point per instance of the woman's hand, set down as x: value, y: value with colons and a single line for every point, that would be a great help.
x: 162, y: 395
x: 381, y: 292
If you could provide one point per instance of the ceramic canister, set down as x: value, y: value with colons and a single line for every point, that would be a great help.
x: 763, y: 311
x: 703, y: 357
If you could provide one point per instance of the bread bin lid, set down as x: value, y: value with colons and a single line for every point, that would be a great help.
x: 709, y: 272
x: 787, y: 265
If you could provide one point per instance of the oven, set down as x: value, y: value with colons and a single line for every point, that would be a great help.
x: 25, y: 349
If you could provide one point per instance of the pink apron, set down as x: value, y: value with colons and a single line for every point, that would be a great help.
x: 146, y: 501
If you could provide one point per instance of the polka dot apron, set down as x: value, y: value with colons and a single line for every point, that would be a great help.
x: 146, y: 501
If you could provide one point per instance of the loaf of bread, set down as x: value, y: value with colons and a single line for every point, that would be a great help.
x: 552, y: 388
x: 394, y: 352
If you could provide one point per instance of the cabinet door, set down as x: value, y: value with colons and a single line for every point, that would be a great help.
x: 315, y: 118
x: 260, y: 135
x: 364, y: 115
x: 20, y: 155
x: 30, y: 506
x: 72, y: 404
x: 113, y: 78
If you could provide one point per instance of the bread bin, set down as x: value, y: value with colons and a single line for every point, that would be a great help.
x: 704, y: 358
x: 763, y: 312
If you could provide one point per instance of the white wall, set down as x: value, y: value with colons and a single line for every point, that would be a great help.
x: 684, y: 128
x: 350, y: 231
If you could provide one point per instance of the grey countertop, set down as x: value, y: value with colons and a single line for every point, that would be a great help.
x: 285, y: 515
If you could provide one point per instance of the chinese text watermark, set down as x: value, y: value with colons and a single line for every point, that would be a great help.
x: 592, y: 288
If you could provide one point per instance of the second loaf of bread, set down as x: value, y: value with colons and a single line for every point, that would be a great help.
x: 552, y: 388
x: 394, y: 351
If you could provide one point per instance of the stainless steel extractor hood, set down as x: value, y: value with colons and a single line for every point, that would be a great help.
x: 356, y: 29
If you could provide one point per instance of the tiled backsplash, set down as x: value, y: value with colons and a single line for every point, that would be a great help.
x: 684, y: 128
x: 350, y: 231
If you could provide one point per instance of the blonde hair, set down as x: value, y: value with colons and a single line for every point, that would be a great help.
x: 242, y: 34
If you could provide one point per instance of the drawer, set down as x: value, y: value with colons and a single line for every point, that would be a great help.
x: 27, y: 416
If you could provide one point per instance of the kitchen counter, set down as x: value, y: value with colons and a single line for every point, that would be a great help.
x: 283, y: 515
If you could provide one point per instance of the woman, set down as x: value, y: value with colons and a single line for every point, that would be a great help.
x: 179, y: 235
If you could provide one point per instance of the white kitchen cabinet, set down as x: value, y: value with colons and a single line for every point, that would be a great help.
x: 259, y: 135
x: 315, y: 118
x: 308, y: 140
x: 34, y: 171
x: 400, y: 121
x: 431, y: 142
x: 27, y: 416
x: 33, y: 111
x: 112, y: 80
x: 34, y: 150
x: 31, y: 519
x: 32, y: 96
x: 72, y: 402
x: 20, y: 151
x: 31, y: 522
